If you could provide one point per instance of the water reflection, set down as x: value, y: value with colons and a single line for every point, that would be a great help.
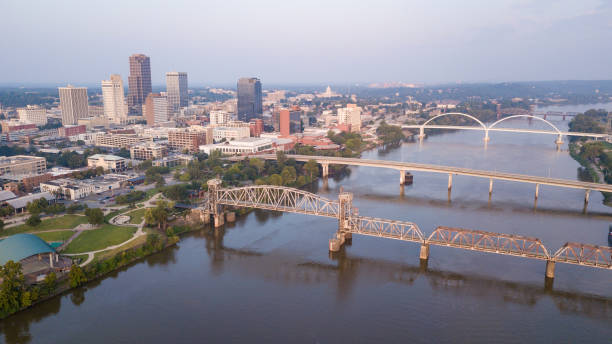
x: 346, y: 271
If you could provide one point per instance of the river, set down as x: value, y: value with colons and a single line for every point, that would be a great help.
x: 270, y: 278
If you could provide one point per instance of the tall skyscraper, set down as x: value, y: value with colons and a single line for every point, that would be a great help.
x: 249, y: 99
x: 156, y: 109
x: 139, y: 82
x: 114, y: 99
x: 176, y: 91
x: 74, y: 102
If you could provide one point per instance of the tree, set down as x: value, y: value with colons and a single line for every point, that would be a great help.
x: 76, y: 276
x: 50, y: 283
x: 258, y: 164
x: 276, y: 179
x: 33, y: 220
x: 158, y: 216
x: 37, y: 206
x: 312, y: 168
x: 288, y: 175
x: 11, y: 289
x: 1, y: 225
x: 281, y: 158
x: 95, y: 216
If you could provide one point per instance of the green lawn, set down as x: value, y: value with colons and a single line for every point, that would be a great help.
x: 97, y: 239
x: 136, y: 216
x: 55, y: 236
x: 62, y: 222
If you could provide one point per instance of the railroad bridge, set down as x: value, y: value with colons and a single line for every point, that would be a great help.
x: 291, y: 200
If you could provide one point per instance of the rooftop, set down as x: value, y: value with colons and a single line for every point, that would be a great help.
x: 106, y: 157
x: 21, y: 246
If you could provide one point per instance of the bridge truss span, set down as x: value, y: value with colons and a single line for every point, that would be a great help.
x: 585, y: 254
x: 399, y: 230
x: 475, y: 240
x: 278, y: 198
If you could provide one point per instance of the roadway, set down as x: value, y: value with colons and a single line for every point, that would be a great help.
x: 450, y: 170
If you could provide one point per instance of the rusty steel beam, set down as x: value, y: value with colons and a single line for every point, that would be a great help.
x: 278, y: 198
x: 390, y: 229
x: 585, y: 254
x: 475, y: 240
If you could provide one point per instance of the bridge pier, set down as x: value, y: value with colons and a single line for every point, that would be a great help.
x: 450, y: 181
x: 486, y: 138
x: 421, y: 133
x: 550, y: 269
x: 586, y: 196
x: 402, y: 177
x: 559, y: 140
x: 424, y: 253
x: 537, y: 191
x: 325, y: 172
x: 490, y: 187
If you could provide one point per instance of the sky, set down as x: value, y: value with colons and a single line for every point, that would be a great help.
x: 297, y: 42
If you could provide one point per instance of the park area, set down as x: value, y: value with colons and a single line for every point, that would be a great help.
x: 61, y: 222
x: 100, y: 238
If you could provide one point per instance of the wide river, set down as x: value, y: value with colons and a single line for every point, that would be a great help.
x: 270, y: 278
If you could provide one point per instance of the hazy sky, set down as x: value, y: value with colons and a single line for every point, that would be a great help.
x: 290, y: 41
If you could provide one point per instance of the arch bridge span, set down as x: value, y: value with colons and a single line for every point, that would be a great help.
x: 492, y: 127
x: 286, y: 199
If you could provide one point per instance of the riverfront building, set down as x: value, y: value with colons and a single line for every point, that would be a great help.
x: 22, y: 164
x: 249, y: 99
x: 74, y: 104
x: 33, y: 114
x: 108, y: 162
x: 249, y: 145
x: 139, y: 82
x: 156, y: 109
x: 176, y: 91
x: 350, y: 116
x: 114, y: 100
x: 187, y: 139
x: 37, y: 258
x: 120, y: 140
x: 148, y: 151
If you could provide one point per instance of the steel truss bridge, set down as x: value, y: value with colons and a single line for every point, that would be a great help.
x: 286, y: 199
x: 493, y: 127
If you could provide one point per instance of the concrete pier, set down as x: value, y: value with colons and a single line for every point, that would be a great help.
x: 402, y: 177
x: 424, y: 254
x: 550, y: 269
x: 586, y: 196
x: 219, y: 220
x: 537, y: 191
x: 490, y: 187
x: 325, y: 172
x: 450, y: 181
x: 230, y: 216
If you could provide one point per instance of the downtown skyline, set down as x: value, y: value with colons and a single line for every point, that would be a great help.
x: 318, y: 43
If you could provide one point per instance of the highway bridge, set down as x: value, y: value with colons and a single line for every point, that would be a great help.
x: 404, y: 167
x: 285, y: 199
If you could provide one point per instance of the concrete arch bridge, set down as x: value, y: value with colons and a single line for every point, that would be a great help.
x: 286, y: 199
x: 554, y: 130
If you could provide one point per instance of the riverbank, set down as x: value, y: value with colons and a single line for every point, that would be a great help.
x: 593, y: 159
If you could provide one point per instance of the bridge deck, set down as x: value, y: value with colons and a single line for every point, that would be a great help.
x: 411, y: 166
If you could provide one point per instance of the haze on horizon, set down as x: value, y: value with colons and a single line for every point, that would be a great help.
x: 306, y: 42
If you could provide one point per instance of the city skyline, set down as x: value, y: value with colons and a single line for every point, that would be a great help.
x: 338, y: 42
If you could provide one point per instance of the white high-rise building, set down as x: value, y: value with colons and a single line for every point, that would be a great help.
x: 351, y: 114
x: 156, y: 109
x: 176, y: 91
x: 33, y: 114
x: 218, y: 117
x: 74, y: 104
x: 113, y: 95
